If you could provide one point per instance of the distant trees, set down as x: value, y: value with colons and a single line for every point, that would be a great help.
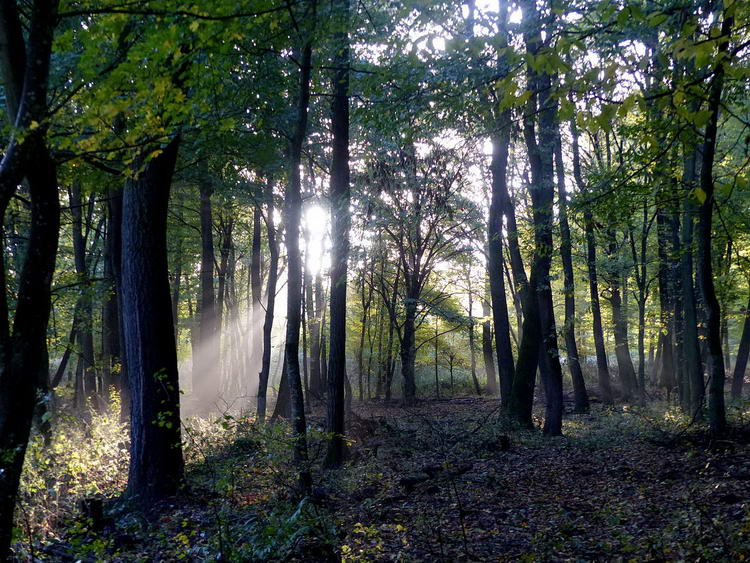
x: 421, y: 211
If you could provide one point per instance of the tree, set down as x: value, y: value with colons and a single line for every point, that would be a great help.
x: 340, y: 223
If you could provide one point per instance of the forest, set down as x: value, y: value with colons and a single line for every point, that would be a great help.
x: 374, y: 280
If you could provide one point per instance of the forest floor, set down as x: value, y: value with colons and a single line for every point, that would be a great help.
x: 445, y: 480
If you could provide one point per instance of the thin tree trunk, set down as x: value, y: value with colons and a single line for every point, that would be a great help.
x: 85, y: 332
x: 602, y: 365
x: 580, y: 395
x: 292, y: 215
x: 273, y: 272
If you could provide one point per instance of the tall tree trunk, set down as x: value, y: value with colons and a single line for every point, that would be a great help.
x: 156, y: 464
x: 666, y: 308
x: 273, y: 272
x: 487, y: 351
x: 541, y: 109
x: 292, y: 215
x: 24, y: 361
x: 408, y: 344
x: 110, y: 314
x: 692, y: 383
x: 625, y: 368
x: 602, y: 365
x: 340, y: 222
x: 472, y: 337
x: 316, y: 309
x: 580, y: 395
x: 85, y: 332
x: 256, y: 287
x: 716, y: 408
x: 499, y: 170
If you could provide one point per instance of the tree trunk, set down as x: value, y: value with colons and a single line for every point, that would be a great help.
x: 114, y: 208
x: 580, y: 395
x: 273, y: 272
x: 85, y: 332
x: 156, y: 464
x: 602, y: 364
x: 256, y: 288
x: 691, y: 381
x: 488, y: 353
x: 292, y: 215
x: 472, y: 338
x: 666, y: 308
x: 408, y: 347
x: 111, y: 314
x: 541, y: 108
x: 24, y: 361
x: 340, y: 222
x: 625, y: 367
x: 499, y: 170
x: 716, y: 408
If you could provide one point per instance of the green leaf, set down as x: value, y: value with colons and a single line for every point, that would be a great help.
x: 700, y: 195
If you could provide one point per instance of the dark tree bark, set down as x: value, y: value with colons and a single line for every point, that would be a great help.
x: 408, y: 340
x: 114, y: 245
x: 626, y: 370
x: 273, y: 272
x: 499, y: 170
x: 716, y: 408
x: 692, y: 383
x: 666, y: 305
x: 292, y: 215
x: 640, y: 272
x: 340, y: 222
x: 488, y: 352
x: 580, y: 395
x: 365, y: 293
x: 87, y: 396
x: 24, y: 361
x: 156, y: 464
x: 602, y: 365
x: 256, y: 288
x: 541, y: 112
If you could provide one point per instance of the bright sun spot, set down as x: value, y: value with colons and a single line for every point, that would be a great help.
x: 316, y: 222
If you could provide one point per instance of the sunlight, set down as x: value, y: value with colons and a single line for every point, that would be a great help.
x: 317, y: 222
